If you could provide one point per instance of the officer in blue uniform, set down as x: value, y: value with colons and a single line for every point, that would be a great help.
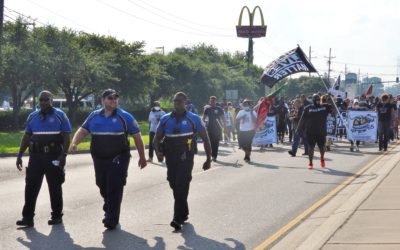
x: 177, y: 130
x: 110, y: 128
x: 47, y: 134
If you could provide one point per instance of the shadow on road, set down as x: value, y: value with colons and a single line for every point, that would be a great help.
x: 262, y: 165
x: 57, y: 239
x: 195, y: 241
x: 61, y: 240
x: 331, y: 171
x: 120, y: 239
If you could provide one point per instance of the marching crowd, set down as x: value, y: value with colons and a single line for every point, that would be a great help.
x: 174, y: 137
x: 299, y: 121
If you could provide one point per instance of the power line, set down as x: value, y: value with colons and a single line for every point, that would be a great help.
x: 57, y: 14
x: 173, y: 21
x: 151, y: 22
x: 183, y: 19
x: 23, y: 15
x: 366, y: 65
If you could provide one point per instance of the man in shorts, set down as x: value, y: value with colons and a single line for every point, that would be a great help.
x: 314, y: 117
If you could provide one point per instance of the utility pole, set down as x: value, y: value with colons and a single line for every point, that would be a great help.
x: 329, y: 65
x: 345, y: 73
x: 309, y: 58
x: 398, y: 69
x: 1, y: 25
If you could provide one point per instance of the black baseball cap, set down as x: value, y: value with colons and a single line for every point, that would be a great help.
x: 109, y: 92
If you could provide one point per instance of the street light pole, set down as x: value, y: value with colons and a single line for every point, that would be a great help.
x: 162, y: 49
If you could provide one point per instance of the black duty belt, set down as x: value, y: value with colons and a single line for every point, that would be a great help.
x: 45, y: 148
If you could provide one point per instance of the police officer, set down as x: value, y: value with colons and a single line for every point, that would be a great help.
x: 177, y: 129
x: 110, y: 127
x: 47, y: 134
x: 216, y: 119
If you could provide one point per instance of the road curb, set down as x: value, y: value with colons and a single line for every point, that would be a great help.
x: 321, y: 235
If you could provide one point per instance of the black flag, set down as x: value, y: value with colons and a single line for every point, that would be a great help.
x: 292, y: 62
x: 336, y: 86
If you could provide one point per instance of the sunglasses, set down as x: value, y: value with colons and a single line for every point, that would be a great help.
x: 44, y: 99
x: 112, y: 98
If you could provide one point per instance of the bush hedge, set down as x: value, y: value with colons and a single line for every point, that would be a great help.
x: 7, y: 120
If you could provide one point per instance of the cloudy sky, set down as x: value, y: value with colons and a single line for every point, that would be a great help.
x: 363, y: 34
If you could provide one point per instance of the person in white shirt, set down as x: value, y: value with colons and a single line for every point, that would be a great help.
x: 228, y: 128
x: 154, y: 119
x: 248, y: 121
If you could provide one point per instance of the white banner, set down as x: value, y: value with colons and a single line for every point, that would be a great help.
x: 337, y: 93
x: 363, y: 125
x: 266, y: 133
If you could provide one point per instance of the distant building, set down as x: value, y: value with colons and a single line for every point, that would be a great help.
x: 376, y: 82
x: 350, y: 78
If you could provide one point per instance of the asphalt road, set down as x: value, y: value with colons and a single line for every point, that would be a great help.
x: 234, y: 205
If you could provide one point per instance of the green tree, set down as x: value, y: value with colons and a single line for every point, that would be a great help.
x: 24, y: 64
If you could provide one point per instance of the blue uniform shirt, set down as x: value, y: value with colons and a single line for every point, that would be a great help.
x: 98, y: 124
x: 47, y: 127
x: 109, y: 134
x: 186, y: 125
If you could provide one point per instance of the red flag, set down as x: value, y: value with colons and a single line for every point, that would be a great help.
x: 262, y: 111
x: 369, y: 91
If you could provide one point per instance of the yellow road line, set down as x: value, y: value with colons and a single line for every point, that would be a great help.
x: 282, y: 231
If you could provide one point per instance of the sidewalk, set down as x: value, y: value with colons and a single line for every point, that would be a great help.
x: 376, y: 223
x: 364, y: 215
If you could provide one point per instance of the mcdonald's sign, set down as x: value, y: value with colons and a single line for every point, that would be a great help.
x: 251, y: 31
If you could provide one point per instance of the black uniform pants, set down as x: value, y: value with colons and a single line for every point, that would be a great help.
x: 41, y: 165
x: 215, y: 137
x: 179, y: 175
x: 111, y: 177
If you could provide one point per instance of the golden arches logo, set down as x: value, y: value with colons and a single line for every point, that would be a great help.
x: 251, y: 31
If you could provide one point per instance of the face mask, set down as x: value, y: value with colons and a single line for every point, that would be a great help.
x: 156, y: 108
x: 246, y: 108
x: 229, y: 107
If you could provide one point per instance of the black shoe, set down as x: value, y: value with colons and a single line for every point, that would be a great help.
x: 110, y: 226
x: 185, y: 219
x: 25, y: 222
x: 54, y: 221
x: 291, y: 153
x: 305, y: 154
x: 177, y: 226
x: 214, y: 159
x: 385, y: 149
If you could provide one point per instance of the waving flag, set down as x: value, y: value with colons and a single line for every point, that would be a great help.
x: 262, y: 110
x: 292, y: 62
x: 336, y: 86
x: 369, y: 91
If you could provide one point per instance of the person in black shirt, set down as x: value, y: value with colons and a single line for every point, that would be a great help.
x: 281, y: 113
x: 315, y: 122
x: 216, y: 119
x: 385, y: 115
